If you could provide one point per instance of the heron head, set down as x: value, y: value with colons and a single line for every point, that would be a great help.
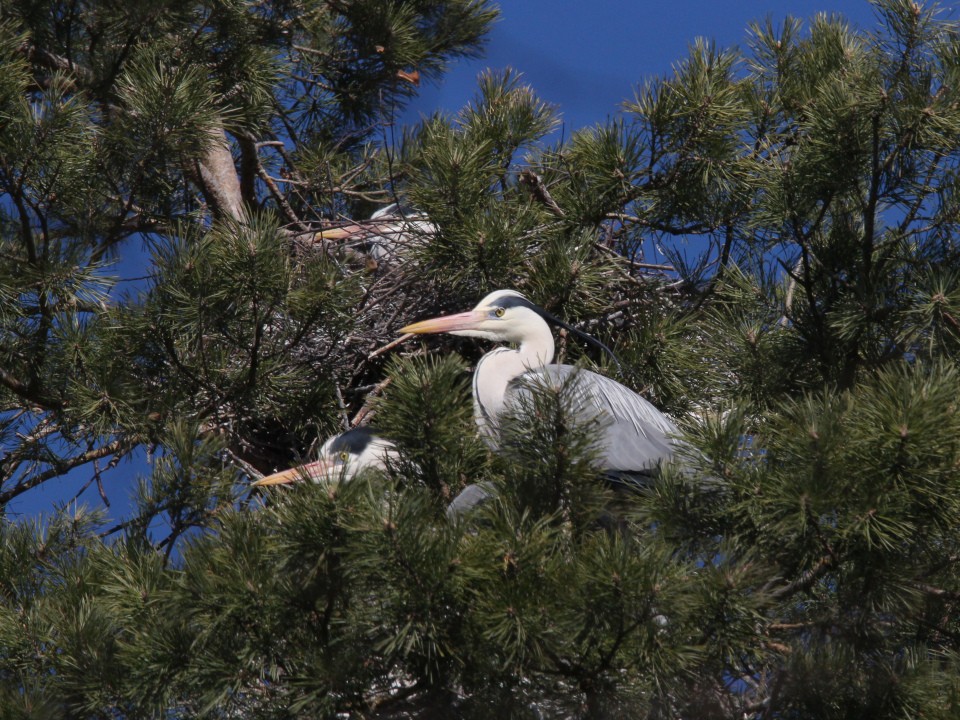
x: 502, y: 316
x: 342, y: 457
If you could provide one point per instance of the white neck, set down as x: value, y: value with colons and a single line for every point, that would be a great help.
x: 537, y: 348
x: 498, y: 368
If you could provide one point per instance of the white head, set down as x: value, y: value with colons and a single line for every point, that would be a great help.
x: 502, y: 316
x: 342, y: 457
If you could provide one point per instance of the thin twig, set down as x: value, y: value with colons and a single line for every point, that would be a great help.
x: 367, y: 408
x: 538, y: 190
x: 249, y: 469
x: 288, y: 212
x: 389, y: 346
x: 61, y: 468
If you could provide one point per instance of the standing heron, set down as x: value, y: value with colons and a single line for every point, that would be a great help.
x: 345, y: 456
x: 635, y: 437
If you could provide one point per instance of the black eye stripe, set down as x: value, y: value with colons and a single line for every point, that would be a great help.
x: 353, y: 441
x: 517, y: 300
x: 511, y: 301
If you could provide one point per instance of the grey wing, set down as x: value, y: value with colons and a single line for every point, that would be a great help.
x: 470, y: 498
x: 636, y: 437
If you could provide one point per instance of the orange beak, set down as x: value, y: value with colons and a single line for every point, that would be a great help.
x: 339, y: 233
x: 447, y: 323
x: 319, y: 470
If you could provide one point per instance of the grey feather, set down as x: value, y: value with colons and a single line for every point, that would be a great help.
x: 470, y: 498
x: 635, y: 436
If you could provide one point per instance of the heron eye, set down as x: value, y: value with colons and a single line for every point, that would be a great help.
x: 499, y: 312
x: 344, y: 456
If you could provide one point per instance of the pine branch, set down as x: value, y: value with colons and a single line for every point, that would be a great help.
x: 938, y: 592
x: 29, y: 393
x: 538, y: 190
x: 216, y: 175
x: 52, y: 61
x: 61, y: 467
x: 249, y: 165
x: 806, y: 579
x: 870, y: 213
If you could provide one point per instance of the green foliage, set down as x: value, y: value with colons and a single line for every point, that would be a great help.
x: 550, y: 455
x: 766, y: 238
x: 507, y: 114
x: 427, y: 411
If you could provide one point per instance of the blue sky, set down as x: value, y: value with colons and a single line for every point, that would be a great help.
x: 584, y: 57
x: 588, y: 57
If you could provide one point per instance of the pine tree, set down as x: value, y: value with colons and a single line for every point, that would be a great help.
x: 766, y: 238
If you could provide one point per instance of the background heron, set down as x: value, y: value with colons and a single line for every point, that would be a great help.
x: 345, y: 456
x: 388, y: 231
x: 635, y: 436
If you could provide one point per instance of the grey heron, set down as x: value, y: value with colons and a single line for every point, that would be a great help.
x: 386, y: 232
x: 635, y: 436
x: 342, y: 457
x: 345, y: 456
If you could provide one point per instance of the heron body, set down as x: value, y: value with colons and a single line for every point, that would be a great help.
x: 342, y: 457
x: 388, y: 231
x: 635, y: 437
x: 345, y: 456
x: 471, y: 498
